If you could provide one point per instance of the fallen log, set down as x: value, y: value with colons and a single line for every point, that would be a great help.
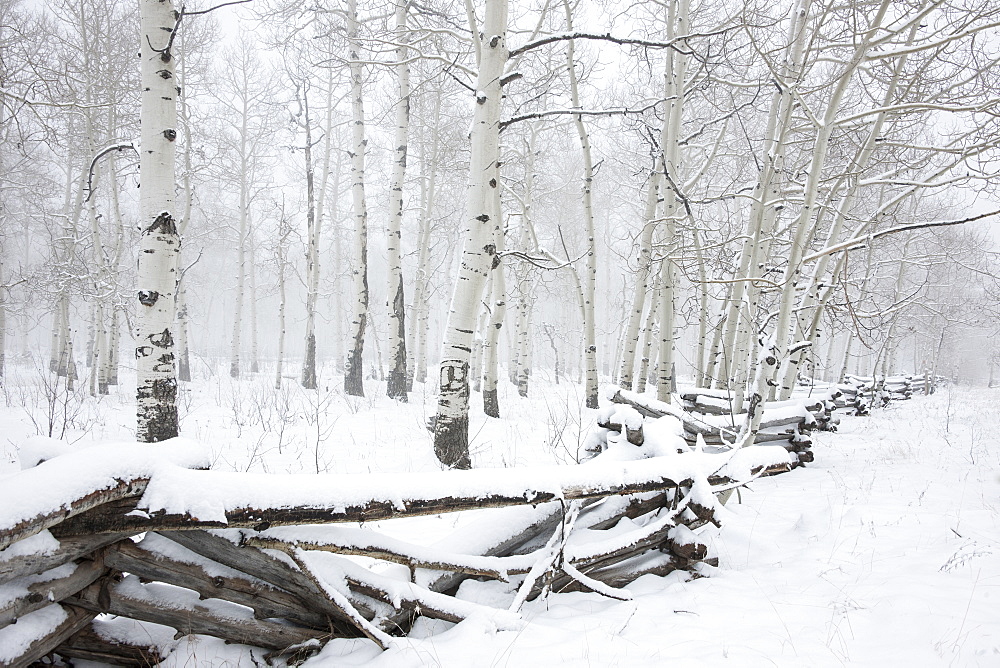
x: 396, y: 593
x: 124, y: 489
x: 265, y: 600
x: 360, y: 542
x: 49, y: 628
x: 320, y: 499
x: 88, y: 645
x: 621, y: 574
x: 624, y: 420
x: 69, y: 549
x: 40, y: 591
x: 260, y: 565
x: 130, y: 598
x: 106, y: 473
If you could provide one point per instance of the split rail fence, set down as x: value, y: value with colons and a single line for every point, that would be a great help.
x: 147, y: 533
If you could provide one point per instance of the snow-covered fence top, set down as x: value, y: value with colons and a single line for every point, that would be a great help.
x: 76, y: 490
x: 707, y: 415
x: 66, y: 554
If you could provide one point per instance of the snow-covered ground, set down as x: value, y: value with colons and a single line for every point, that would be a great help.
x: 885, y: 551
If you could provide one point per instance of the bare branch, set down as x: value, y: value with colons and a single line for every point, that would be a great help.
x: 856, y: 242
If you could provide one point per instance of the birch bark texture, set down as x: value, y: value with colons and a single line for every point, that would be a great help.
x: 451, y: 430
x: 353, y: 371
x: 396, y: 386
x: 589, y: 280
x: 156, y: 382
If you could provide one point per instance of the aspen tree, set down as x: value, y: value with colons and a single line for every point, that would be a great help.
x: 353, y: 370
x: 416, y: 365
x: 310, y: 380
x: 642, y: 275
x: 589, y: 280
x: 451, y: 430
x: 159, y: 241
x: 396, y: 386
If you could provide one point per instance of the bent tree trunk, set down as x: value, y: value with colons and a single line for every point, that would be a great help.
x: 451, y: 432
x: 156, y: 383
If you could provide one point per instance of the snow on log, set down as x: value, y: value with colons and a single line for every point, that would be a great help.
x: 259, y: 564
x: 45, y: 495
x: 42, y: 552
x: 38, y: 633
x: 181, y: 499
x: 181, y: 609
x: 33, y: 592
x: 362, y: 542
x: 210, y: 581
x: 88, y: 645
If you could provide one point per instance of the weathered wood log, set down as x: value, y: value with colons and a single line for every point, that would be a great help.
x: 568, y: 484
x: 129, y: 598
x: 29, y: 527
x: 260, y: 565
x: 75, y: 619
x: 620, y: 574
x: 656, y: 409
x: 370, y: 544
x: 69, y: 549
x: 340, y: 601
x: 637, y: 506
x: 546, y: 518
x: 87, y: 645
x: 406, y: 595
x: 40, y: 594
x: 265, y: 600
x: 632, y: 435
x: 684, y: 543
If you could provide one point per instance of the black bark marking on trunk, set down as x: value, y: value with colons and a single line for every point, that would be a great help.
x: 160, y: 419
x: 451, y: 442
x: 353, y: 379
x: 396, y: 386
x: 163, y: 224
x: 148, y: 297
x: 491, y: 403
x: 162, y: 340
x: 309, y: 365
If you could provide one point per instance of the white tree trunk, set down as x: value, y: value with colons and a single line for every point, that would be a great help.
x: 396, y: 385
x: 254, y: 350
x: 159, y: 244
x: 631, y: 336
x: 589, y: 280
x: 673, y: 91
x: 284, y: 230
x: 525, y: 287
x: 491, y: 337
x: 241, y: 254
x: 353, y: 370
x: 642, y: 377
x: 451, y: 432
x: 310, y: 380
x: 183, y: 339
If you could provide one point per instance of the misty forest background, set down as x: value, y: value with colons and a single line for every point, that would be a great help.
x: 722, y: 193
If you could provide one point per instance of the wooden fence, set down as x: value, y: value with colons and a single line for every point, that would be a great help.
x: 265, y: 560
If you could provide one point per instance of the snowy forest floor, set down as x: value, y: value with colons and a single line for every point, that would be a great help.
x: 884, y: 551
